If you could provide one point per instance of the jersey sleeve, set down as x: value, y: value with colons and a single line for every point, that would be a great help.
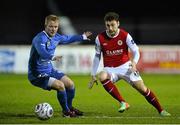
x: 133, y: 47
x: 97, y: 57
x: 97, y: 46
x: 40, y: 46
x: 66, y: 39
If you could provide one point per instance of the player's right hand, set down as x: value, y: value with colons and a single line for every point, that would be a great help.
x: 91, y: 83
x: 86, y: 35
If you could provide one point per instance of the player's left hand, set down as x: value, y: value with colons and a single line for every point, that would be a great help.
x: 91, y: 83
x: 133, y: 68
x: 56, y: 58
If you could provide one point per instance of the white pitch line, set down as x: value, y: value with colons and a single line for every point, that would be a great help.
x: 128, y: 117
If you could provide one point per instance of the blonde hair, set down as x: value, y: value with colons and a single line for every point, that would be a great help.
x: 51, y: 18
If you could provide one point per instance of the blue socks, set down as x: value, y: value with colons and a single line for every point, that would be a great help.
x: 65, y: 98
x: 70, y: 96
x: 62, y: 98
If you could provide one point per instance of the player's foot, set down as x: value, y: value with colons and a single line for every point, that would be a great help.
x: 76, y: 111
x: 124, y: 106
x: 69, y: 114
x: 164, y: 113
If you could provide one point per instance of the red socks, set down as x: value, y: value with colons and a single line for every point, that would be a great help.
x: 151, y: 98
x: 112, y: 90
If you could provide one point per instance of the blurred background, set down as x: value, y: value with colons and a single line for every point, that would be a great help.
x: 149, y: 22
x: 154, y: 25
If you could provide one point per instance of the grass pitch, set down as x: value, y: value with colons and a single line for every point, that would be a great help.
x: 18, y: 98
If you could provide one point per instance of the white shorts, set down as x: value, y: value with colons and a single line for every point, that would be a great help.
x: 123, y: 72
x: 51, y: 81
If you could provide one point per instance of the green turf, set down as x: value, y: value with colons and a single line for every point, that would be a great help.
x: 18, y: 98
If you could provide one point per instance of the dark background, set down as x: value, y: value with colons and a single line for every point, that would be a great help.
x: 149, y: 22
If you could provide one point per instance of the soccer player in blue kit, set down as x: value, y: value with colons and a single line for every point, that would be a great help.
x: 40, y: 70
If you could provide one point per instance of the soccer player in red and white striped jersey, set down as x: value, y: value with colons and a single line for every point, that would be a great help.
x: 113, y: 44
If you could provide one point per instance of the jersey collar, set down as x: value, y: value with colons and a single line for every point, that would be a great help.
x: 46, y: 34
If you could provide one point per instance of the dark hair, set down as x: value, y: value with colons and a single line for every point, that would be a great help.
x: 111, y: 16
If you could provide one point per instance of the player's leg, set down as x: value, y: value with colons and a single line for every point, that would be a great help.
x: 70, y: 90
x: 108, y: 78
x: 62, y: 97
x: 105, y: 79
x: 149, y: 95
x: 46, y: 82
x: 134, y: 79
x: 62, y: 94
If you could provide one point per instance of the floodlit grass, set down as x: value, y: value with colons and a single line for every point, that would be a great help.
x: 18, y: 98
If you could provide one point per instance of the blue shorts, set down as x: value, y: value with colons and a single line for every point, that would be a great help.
x: 43, y: 79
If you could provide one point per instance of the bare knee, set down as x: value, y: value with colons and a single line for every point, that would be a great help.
x: 103, y: 76
x: 139, y: 85
x: 58, y: 85
x: 68, y: 83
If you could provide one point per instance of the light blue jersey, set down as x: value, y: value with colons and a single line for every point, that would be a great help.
x: 42, y: 51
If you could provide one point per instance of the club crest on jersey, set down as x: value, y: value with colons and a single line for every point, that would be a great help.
x: 105, y: 44
x: 48, y: 43
x: 119, y: 42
